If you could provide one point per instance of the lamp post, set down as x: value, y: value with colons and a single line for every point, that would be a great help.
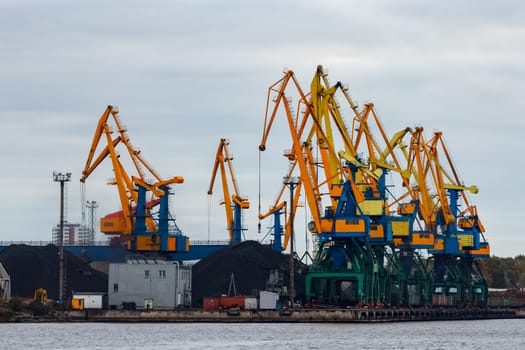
x: 92, y: 206
x: 62, y: 178
x: 292, y: 182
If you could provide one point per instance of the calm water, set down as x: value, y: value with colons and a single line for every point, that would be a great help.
x: 450, y: 335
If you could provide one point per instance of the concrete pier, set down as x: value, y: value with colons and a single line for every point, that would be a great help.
x: 287, y: 315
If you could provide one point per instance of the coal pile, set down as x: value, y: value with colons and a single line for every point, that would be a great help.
x: 251, y: 264
x: 33, y: 267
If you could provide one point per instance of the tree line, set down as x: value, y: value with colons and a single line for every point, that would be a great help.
x: 508, y: 273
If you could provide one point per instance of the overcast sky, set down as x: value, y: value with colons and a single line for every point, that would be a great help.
x: 186, y: 73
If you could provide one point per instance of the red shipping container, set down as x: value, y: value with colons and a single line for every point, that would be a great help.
x: 227, y: 302
x: 210, y: 303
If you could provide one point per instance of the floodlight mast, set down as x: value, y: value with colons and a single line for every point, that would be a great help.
x: 291, y: 182
x: 62, y: 178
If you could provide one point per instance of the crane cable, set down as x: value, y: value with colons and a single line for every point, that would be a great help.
x: 209, y: 216
x: 259, y: 204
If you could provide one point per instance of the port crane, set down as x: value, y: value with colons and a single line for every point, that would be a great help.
x: 452, y: 236
x: 369, y: 239
x: 338, y: 222
x: 135, y: 221
x: 234, y: 203
x: 410, y: 281
x: 363, y: 196
x: 458, y: 234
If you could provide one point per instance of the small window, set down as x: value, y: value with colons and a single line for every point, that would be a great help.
x: 146, y: 273
x: 115, y: 287
x: 162, y: 273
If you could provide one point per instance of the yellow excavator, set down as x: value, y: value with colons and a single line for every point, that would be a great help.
x: 40, y: 295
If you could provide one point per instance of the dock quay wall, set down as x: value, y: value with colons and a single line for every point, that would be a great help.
x: 288, y: 315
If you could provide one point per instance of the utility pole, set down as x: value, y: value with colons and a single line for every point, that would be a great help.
x: 62, y: 178
x: 292, y: 182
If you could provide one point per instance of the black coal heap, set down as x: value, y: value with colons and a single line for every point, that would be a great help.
x: 31, y: 267
x: 250, y: 262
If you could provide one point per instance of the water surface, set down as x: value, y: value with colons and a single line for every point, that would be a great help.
x: 436, y: 335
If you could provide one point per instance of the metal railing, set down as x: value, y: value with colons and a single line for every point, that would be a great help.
x: 205, y: 242
x: 44, y: 243
x: 102, y: 243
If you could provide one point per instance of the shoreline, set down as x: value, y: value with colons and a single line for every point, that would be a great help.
x: 356, y: 315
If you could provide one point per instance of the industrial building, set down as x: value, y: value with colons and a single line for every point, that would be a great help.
x: 149, y: 284
x: 74, y: 234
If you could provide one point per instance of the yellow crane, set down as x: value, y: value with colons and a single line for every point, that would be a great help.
x: 134, y: 220
x: 234, y: 203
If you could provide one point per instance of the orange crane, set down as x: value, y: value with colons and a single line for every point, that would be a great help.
x: 235, y: 203
x: 134, y: 220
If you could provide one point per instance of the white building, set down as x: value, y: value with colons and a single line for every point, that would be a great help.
x: 5, y: 284
x: 90, y: 300
x: 149, y: 284
x: 74, y: 234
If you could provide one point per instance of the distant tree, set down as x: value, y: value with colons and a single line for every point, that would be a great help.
x: 509, y: 269
x: 498, y: 279
x: 521, y: 283
x: 506, y: 273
